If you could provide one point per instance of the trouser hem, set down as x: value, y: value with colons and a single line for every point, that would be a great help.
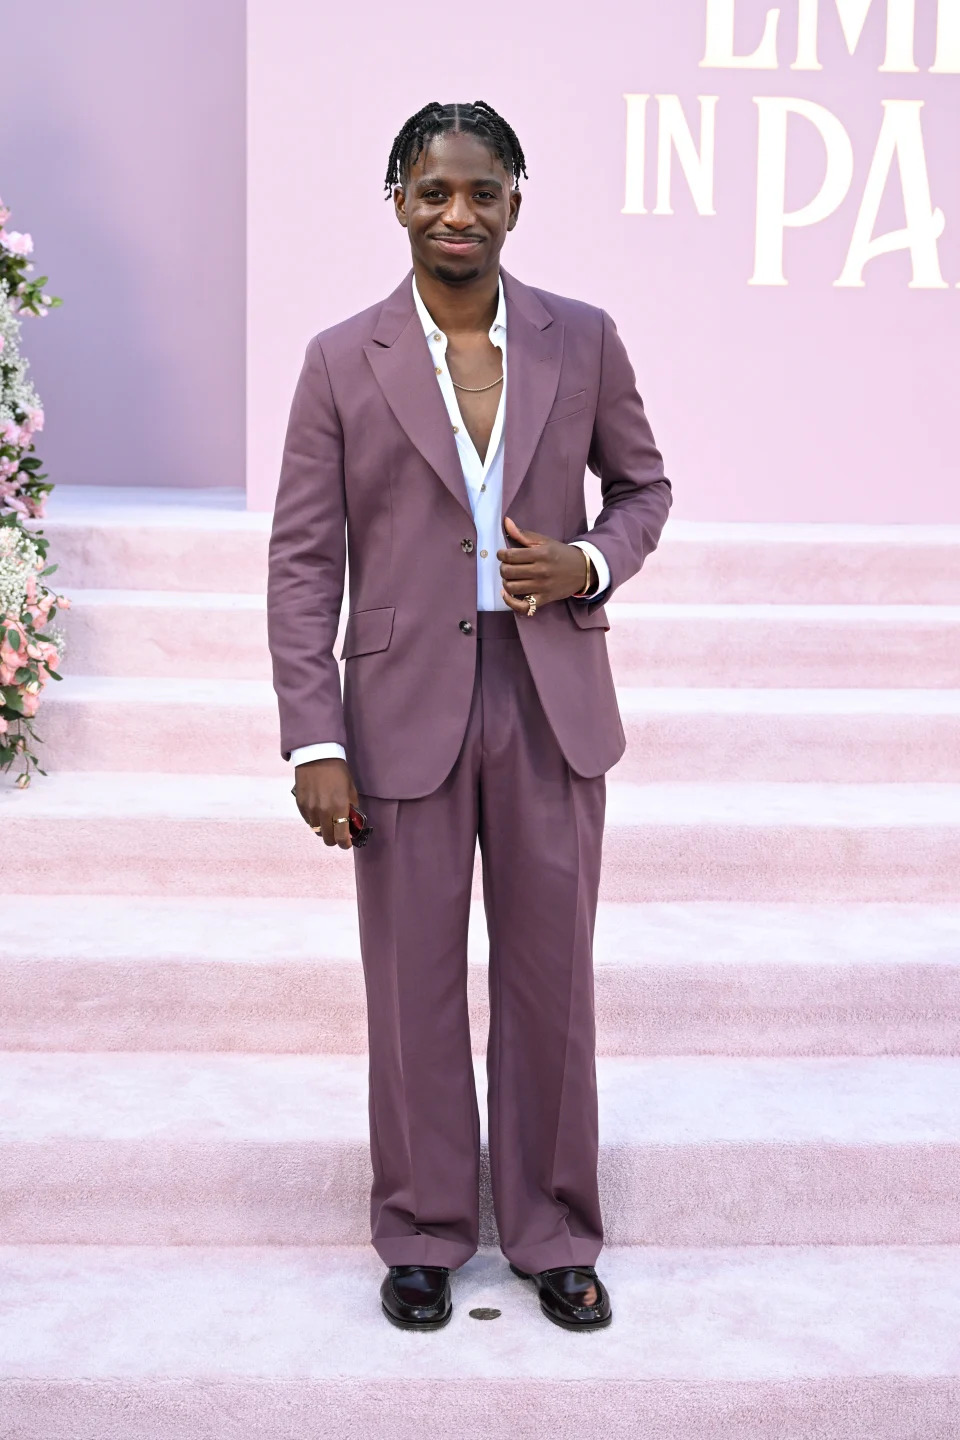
x: 553, y: 1255
x: 423, y: 1250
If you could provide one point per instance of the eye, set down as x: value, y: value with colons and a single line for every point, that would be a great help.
x: 486, y: 195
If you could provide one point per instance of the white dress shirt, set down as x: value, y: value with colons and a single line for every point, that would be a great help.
x: 484, y: 481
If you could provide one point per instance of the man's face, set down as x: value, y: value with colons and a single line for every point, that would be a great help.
x: 457, y: 206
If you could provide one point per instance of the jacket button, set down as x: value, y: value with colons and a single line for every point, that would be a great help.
x: 466, y: 546
x: 466, y: 627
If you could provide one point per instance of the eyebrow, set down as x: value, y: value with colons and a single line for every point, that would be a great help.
x: 427, y: 182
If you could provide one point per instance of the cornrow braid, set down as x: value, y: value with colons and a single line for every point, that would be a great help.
x: 478, y: 119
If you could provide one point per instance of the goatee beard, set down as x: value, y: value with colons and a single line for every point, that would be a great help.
x: 455, y: 277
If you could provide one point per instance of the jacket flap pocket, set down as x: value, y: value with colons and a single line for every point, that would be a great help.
x: 589, y: 617
x: 567, y: 405
x: 367, y: 631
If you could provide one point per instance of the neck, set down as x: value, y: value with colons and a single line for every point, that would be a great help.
x: 459, y: 308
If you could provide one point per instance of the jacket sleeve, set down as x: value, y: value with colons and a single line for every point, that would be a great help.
x: 636, y: 493
x: 307, y: 565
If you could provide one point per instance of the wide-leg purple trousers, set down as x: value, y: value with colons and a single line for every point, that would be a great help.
x: 540, y: 828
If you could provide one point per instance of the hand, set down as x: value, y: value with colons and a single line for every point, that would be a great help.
x: 325, y: 791
x: 539, y: 566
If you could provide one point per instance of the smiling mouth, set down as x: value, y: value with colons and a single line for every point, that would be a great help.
x: 453, y: 242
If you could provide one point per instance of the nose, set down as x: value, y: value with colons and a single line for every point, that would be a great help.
x: 459, y: 213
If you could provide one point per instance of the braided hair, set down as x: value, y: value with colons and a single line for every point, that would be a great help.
x: 479, y: 119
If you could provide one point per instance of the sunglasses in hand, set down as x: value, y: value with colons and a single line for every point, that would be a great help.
x: 360, y: 831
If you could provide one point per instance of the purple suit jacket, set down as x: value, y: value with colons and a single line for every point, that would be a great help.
x: 371, y: 474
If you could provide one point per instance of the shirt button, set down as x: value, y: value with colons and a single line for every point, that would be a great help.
x: 484, y: 485
x: 466, y: 546
x: 456, y: 429
x: 438, y: 370
x: 466, y: 627
x: 483, y: 554
x: 438, y: 336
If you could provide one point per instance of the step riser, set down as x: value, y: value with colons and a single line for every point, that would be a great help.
x: 742, y: 652
x: 149, y: 640
x: 762, y: 862
x: 671, y: 1408
x: 680, y: 572
x: 243, y: 740
x: 169, y: 1192
x: 318, y: 1008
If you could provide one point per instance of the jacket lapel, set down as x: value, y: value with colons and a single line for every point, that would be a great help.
x: 534, y: 355
x: 400, y: 360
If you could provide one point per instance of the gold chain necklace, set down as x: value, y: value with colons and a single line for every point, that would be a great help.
x: 477, y: 389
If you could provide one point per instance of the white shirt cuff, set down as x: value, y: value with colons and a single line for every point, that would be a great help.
x: 599, y: 564
x: 328, y: 751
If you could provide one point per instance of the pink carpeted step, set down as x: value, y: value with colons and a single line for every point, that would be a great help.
x: 173, y: 633
x: 204, y: 540
x: 157, y: 539
x: 830, y: 646
x: 845, y: 736
x: 241, y: 974
x: 190, y: 634
x: 272, y: 1149
x: 763, y: 1343
x: 230, y: 727
x: 124, y: 833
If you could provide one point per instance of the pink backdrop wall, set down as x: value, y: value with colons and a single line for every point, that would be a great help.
x: 122, y: 150
x: 805, y: 401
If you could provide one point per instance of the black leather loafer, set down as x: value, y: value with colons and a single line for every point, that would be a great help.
x: 417, y: 1297
x: 563, y: 1293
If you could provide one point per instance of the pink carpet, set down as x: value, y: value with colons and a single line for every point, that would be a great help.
x: 183, y: 1164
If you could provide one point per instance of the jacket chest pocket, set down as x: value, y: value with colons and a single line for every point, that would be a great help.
x: 567, y: 405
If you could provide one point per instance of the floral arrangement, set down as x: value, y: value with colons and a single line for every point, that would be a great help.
x: 30, y: 646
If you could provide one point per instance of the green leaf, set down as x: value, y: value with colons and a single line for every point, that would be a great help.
x: 53, y: 674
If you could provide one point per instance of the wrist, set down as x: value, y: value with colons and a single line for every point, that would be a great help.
x: 589, y: 579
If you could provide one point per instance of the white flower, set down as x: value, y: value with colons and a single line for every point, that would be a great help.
x: 19, y: 559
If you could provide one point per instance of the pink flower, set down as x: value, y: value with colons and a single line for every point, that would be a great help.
x: 10, y: 433
x: 16, y: 243
x: 4, y: 727
x: 35, y: 420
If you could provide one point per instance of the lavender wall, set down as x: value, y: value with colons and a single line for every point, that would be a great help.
x: 122, y: 144
x: 805, y: 401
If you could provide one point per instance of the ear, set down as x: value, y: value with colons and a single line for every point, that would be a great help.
x: 515, y: 201
x: 400, y: 205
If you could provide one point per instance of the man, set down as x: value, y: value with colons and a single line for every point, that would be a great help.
x: 440, y: 440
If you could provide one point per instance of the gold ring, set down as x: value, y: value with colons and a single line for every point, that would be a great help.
x: 342, y: 820
x: 531, y: 603
x: 316, y: 829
